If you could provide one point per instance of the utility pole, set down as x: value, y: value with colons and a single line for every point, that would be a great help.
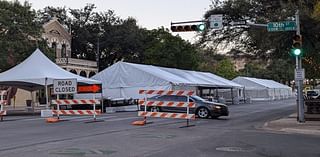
x: 300, y: 103
x: 98, y: 49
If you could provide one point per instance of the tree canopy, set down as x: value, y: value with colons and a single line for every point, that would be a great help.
x: 259, y: 43
x: 20, y: 34
x: 119, y: 39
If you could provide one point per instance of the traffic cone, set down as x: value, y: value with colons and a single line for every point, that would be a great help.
x: 140, y: 122
x: 52, y: 120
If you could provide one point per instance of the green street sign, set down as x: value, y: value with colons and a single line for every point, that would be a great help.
x: 281, y: 26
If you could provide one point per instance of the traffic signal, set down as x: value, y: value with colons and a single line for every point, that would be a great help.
x: 297, y: 42
x: 188, y: 28
x: 296, y: 45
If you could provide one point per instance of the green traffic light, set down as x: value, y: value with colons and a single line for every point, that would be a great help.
x: 201, y: 27
x: 297, y: 52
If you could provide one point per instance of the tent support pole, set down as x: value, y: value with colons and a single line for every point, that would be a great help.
x: 232, y: 96
x: 47, y: 100
x: 217, y: 94
x: 32, y: 103
x: 244, y: 94
x: 102, y: 105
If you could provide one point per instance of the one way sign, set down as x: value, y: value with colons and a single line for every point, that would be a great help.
x: 94, y: 88
x: 237, y: 23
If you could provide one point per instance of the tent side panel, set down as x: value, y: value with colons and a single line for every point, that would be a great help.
x: 131, y: 92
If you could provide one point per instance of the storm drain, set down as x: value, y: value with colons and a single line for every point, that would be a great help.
x: 234, y: 149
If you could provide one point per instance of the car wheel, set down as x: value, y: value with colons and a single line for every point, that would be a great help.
x: 203, y: 112
x: 154, y: 109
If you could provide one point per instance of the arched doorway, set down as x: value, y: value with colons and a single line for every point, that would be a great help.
x: 73, y: 71
x: 83, y: 73
x: 63, y: 51
x: 54, y: 47
x: 91, y: 74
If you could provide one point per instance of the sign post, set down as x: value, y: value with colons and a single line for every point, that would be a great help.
x: 300, y: 102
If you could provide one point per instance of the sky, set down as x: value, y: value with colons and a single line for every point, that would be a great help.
x: 150, y: 14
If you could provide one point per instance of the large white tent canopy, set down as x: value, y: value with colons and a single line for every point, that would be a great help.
x: 263, y: 89
x: 124, y: 80
x: 36, y: 72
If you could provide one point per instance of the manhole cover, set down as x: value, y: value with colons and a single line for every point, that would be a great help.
x: 234, y: 149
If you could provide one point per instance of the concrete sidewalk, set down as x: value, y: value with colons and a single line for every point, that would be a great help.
x: 291, y: 125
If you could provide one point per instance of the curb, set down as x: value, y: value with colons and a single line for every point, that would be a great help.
x: 286, y: 125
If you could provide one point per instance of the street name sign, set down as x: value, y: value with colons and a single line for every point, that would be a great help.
x: 65, y: 86
x: 281, y: 26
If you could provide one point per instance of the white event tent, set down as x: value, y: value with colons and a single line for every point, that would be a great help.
x: 263, y: 89
x: 124, y: 80
x: 36, y: 72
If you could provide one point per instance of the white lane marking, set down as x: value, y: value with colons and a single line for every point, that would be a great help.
x: 108, y: 119
x: 63, y: 118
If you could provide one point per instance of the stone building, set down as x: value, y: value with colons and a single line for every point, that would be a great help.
x: 59, y: 39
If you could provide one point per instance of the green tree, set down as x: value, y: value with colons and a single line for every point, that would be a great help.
x: 121, y: 39
x: 49, y: 12
x: 164, y: 49
x: 256, y: 40
x: 226, y: 69
x: 254, y: 69
x: 20, y: 34
x: 281, y: 70
x: 316, y: 11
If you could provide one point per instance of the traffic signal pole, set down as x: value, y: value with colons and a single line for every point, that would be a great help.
x: 300, y: 103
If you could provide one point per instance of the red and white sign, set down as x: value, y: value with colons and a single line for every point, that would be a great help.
x: 167, y: 103
x: 75, y: 101
x: 76, y: 112
x: 166, y: 115
x: 170, y: 92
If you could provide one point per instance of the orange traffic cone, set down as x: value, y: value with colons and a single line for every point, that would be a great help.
x: 52, y: 120
x: 140, y: 122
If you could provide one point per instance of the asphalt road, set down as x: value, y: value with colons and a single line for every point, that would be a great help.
x: 240, y: 134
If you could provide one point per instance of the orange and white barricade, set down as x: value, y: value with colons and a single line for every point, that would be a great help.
x: 2, y: 103
x: 147, y: 104
x: 59, y: 102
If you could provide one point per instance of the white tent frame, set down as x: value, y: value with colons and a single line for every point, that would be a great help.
x: 36, y: 72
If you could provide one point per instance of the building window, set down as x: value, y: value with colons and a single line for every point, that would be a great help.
x: 54, y: 47
x: 63, y: 51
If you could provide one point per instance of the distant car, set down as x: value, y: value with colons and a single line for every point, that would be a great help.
x: 312, y: 94
x: 204, y: 109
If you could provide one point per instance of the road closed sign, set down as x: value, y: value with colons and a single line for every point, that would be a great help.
x: 65, y: 86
